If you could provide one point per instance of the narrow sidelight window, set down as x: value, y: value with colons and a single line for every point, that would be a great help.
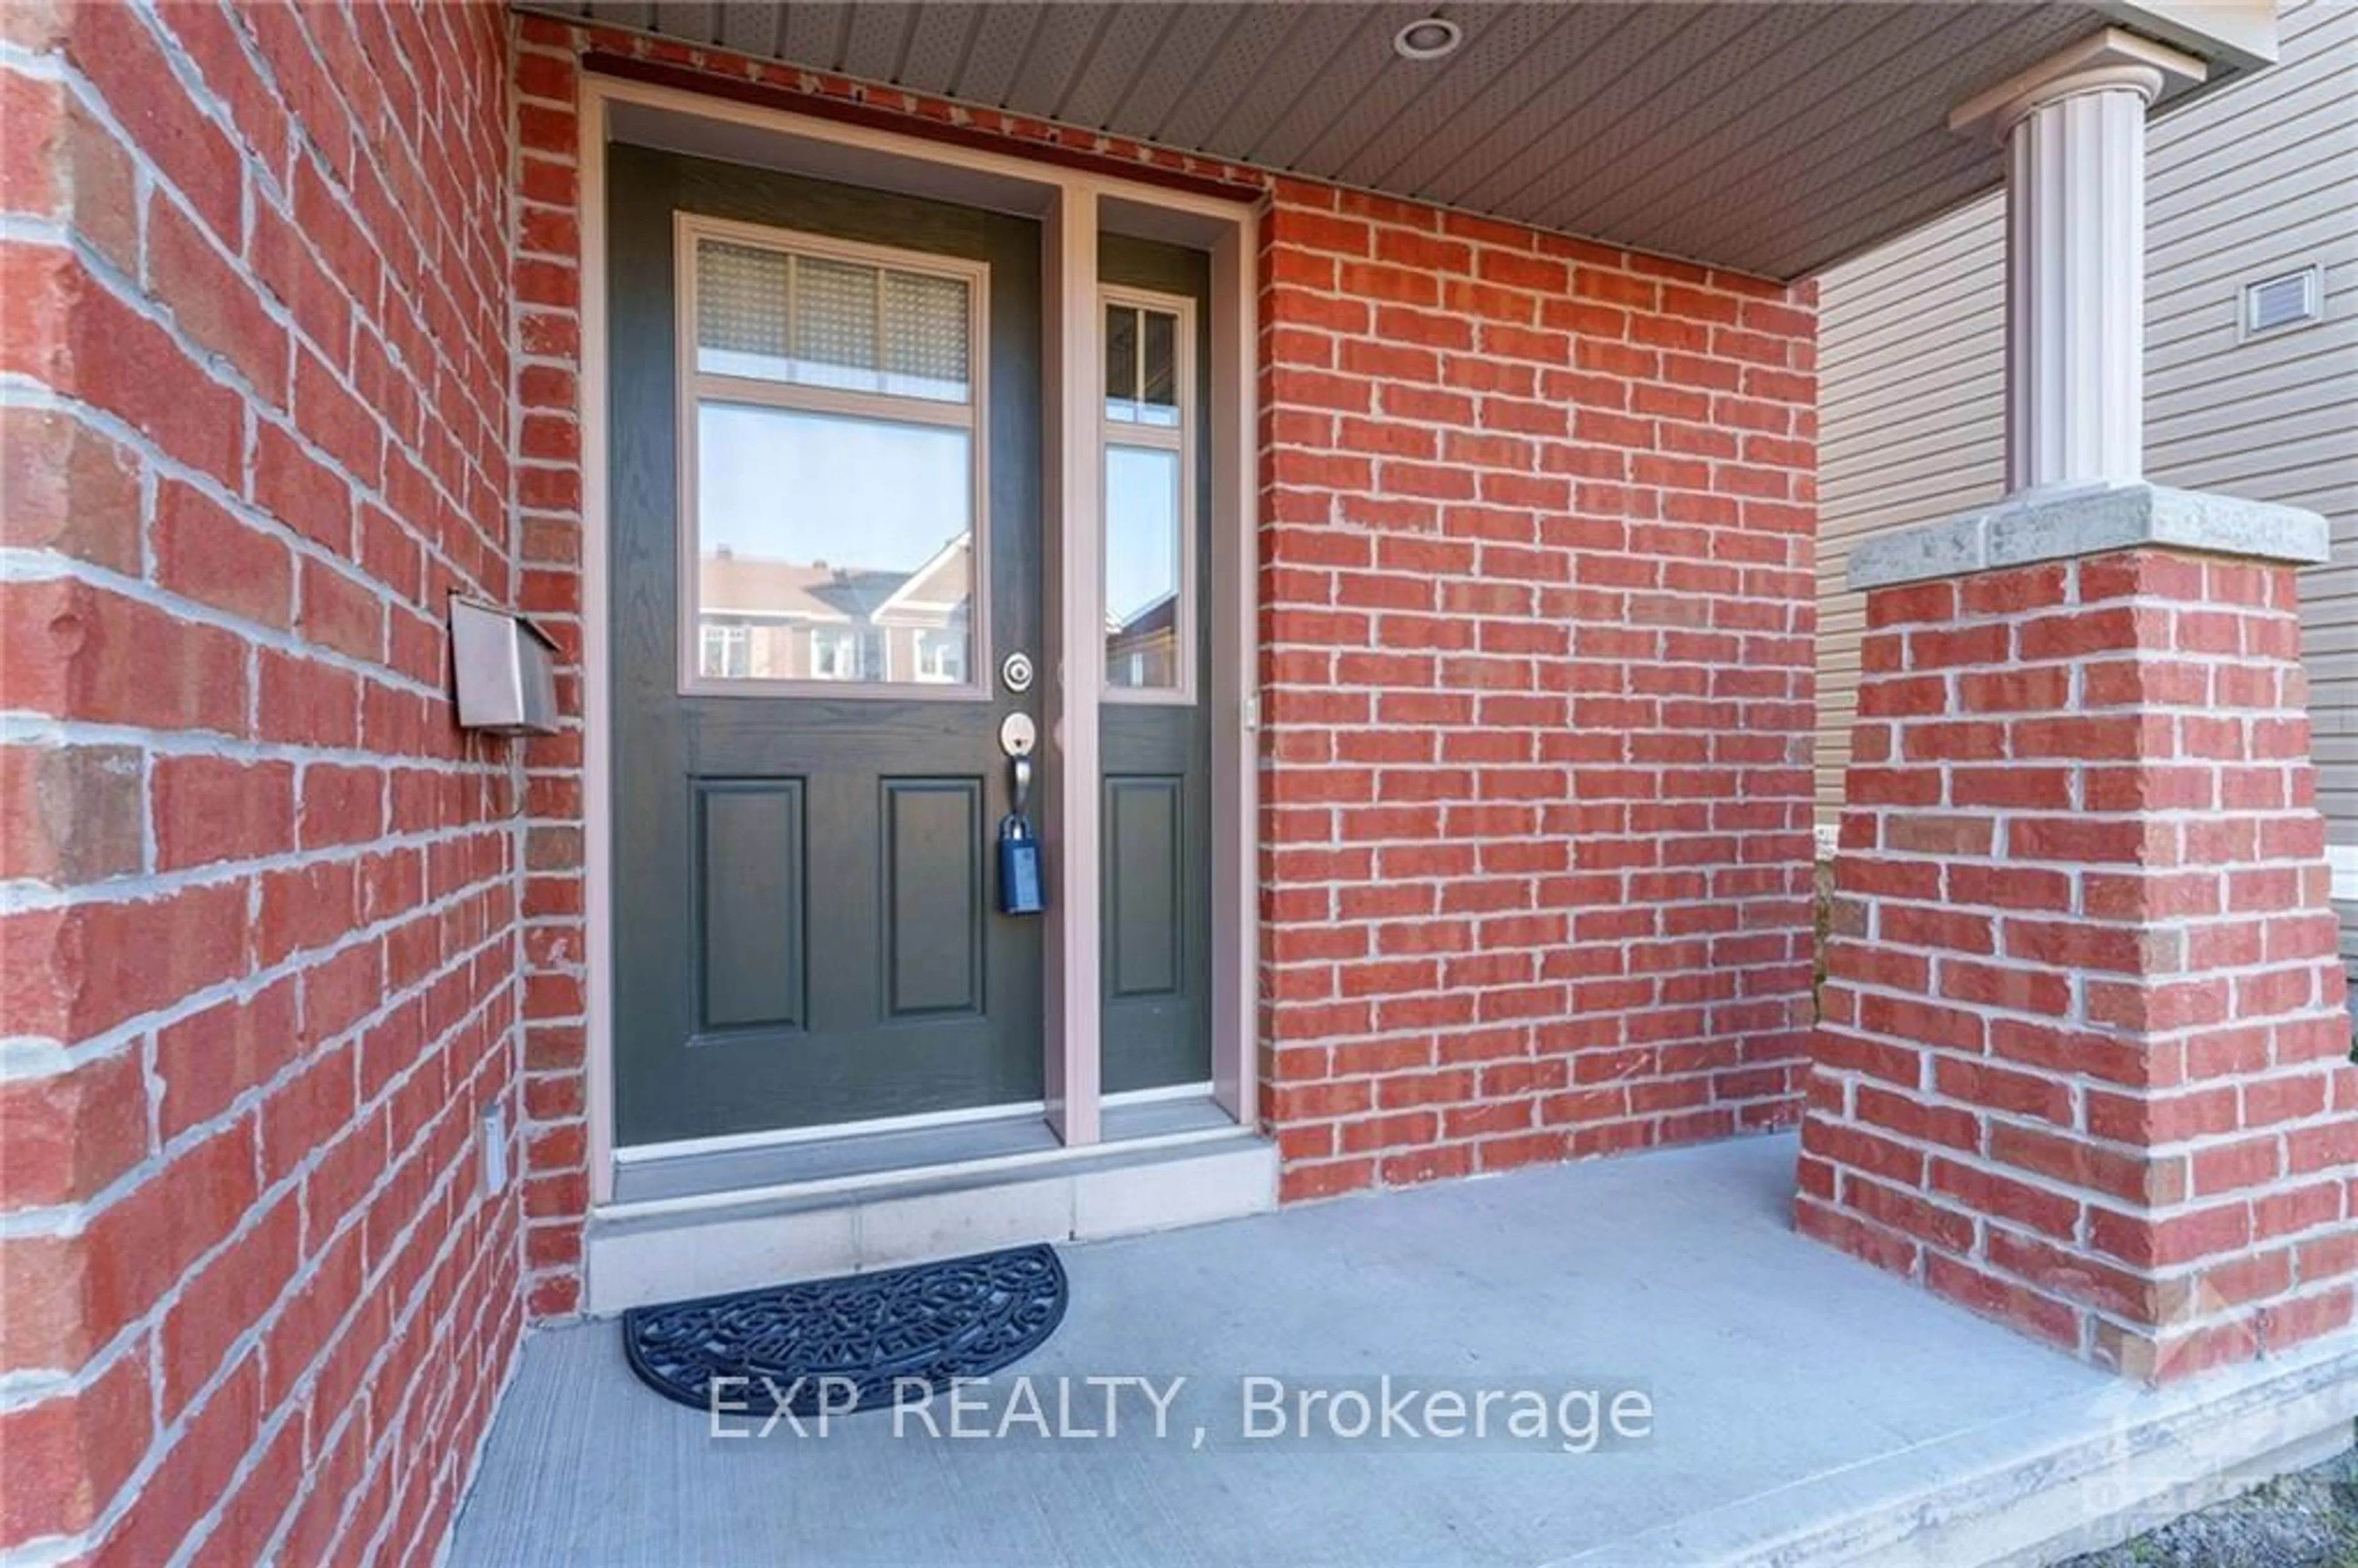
x: 831, y: 463
x: 1148, y: 442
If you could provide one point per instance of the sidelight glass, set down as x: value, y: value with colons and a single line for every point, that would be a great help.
x: 1122, y: 360
x: 841, y: 545
x: 820, y: 321
x: 1149, y: 603
x: 1141, y: 365
x: 1143, y: 563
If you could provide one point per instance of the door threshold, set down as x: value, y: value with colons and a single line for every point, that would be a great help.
x: 726, y: 1171
x: 631, y: 1155
x: 946, y: 1192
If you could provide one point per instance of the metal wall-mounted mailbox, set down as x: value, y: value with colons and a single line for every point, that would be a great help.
x: 506, y: 670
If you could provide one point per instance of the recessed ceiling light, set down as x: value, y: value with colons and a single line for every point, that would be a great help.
x: 1428, y: 40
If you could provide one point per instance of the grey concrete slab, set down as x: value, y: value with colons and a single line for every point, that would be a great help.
x: 1779, y: 1371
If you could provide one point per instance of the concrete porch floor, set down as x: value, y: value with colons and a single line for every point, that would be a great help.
x: 1806, y: 1408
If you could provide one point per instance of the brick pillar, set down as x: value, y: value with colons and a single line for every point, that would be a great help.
x: 2083, y: 1062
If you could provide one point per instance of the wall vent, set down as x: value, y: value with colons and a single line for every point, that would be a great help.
x: 2277, y: 304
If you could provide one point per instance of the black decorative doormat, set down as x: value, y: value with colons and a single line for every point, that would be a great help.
x: 869, y: 1336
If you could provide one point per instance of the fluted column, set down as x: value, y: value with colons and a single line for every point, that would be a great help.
x: 2074, y: 135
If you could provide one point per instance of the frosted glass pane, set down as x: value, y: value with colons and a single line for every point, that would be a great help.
x: 925, y: 336
x: 843, y: 546
x: 835, y: 323
x: 815, y: 321
x: 1145, y: 610
x: 740, y: 312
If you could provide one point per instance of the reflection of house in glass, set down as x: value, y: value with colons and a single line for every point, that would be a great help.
x: 1143, y: 649
x: 764, y: 618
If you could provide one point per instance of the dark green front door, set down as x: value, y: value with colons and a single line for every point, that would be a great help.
x: 825, y: 531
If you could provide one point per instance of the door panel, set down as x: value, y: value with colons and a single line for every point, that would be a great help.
x: 1145, y: 956
x: 804, y: 920
x: 933, y: 920
x: 1156, y: 752
x: 750, y: 857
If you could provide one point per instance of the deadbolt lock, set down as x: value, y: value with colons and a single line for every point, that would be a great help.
x: 1018, y: 735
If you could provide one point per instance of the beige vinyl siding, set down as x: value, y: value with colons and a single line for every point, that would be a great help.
x: 2257, y: 180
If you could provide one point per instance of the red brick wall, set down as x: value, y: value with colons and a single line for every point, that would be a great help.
x: 1537, y: 684
x: 258, y: 947
x: 2083, y: 1063
x: 1537, y: 628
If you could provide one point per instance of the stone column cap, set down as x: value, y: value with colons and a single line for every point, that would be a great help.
x: 2059, y: 525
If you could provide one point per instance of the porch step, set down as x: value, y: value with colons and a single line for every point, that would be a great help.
x: 669, y: 1251
x: 2060, y: 1478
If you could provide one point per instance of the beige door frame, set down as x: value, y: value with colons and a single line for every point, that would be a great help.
x: 1073, y: 207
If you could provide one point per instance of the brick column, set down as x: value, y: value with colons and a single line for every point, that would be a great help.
x: 2083, y: 1057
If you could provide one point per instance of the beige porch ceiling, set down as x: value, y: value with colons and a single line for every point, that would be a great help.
x: 1769, y: 138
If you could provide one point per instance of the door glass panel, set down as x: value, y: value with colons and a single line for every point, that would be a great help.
x: 841, y: 545
x: 1142, y: 567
